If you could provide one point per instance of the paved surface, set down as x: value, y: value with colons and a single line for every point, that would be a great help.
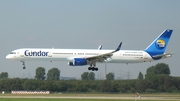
x: 100, y: 97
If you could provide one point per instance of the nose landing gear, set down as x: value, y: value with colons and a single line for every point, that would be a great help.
x: 23, y: 63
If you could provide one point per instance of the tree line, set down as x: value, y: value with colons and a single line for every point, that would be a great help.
x: 157, y: 79
x: 53, y: 74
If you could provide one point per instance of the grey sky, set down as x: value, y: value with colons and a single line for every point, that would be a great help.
x: 86, y: 24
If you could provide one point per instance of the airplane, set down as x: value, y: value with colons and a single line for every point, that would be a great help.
x: 81, y: 57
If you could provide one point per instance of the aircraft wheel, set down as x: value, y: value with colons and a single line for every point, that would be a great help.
x: 96, y: 69
x: 24, y: 67
x: 89, y: 68
x: 93, y: 68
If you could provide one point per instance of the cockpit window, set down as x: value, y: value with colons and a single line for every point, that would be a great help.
x: 13, y: 53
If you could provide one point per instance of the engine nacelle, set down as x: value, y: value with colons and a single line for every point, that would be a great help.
x: 78, y: 62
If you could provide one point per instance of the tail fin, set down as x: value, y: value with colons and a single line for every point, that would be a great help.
x: 158, y: 46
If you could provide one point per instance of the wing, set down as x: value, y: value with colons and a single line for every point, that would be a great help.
x: 103, y: 57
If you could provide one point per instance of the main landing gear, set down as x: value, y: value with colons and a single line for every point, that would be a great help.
x: 93, y: 67
x: 23, y: 63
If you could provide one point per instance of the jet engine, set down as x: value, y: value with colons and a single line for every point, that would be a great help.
x: 78, y: 62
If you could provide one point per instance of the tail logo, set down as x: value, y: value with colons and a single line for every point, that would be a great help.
x: 160, y: 44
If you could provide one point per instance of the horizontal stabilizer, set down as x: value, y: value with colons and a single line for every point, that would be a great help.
x: 163, y: 55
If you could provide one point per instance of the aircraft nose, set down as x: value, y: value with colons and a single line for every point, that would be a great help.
x: 8, y: 57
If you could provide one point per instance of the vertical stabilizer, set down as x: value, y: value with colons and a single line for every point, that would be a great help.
x: 158, y: 46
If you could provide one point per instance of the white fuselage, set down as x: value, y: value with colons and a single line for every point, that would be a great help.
x: 122, y: 56
x: 81, y: 57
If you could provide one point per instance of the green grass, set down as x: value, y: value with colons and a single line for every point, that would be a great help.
x: 48, y: 99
